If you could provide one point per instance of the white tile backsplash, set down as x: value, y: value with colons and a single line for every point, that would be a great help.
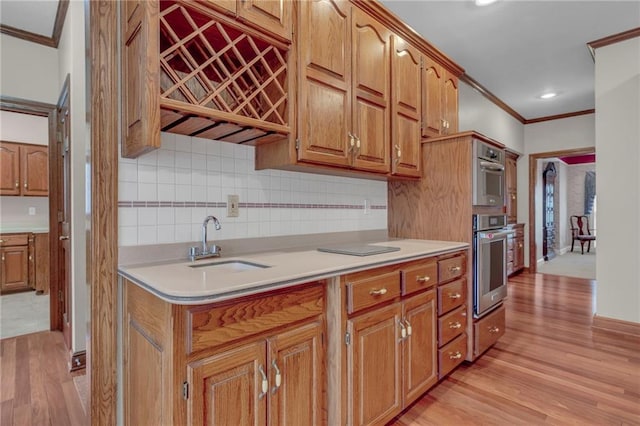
x: 166, y: 194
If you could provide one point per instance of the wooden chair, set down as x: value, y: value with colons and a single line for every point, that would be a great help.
x: 580, y: 231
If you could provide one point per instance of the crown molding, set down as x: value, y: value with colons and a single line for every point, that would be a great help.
x: 615, y: 38
x: 53, y: 41
x: 560, y: 116
x: 493, y: 98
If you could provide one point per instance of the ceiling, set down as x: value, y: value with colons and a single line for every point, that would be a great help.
x: 514, y: 49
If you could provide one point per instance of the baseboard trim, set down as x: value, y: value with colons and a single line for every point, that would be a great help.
x: 78, y: 361
x: 617, y: 326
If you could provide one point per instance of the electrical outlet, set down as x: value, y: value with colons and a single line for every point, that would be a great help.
x: 233, y: 206
x: 367, y: 206
x: 32, y: 211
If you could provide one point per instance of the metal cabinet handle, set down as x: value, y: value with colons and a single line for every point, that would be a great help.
x: 422, y: 279
x: 513, y: 197
x: 358, y: 143
x: 1, y: 241
x: 63, y: 237
x: 278, y: 375
x: 455, y: 295
x: 264, y: 383
x: 455, y: 325
x: 409, y: 329
x: 457, y: 355
x: 403, y: 330
x: 380, y: 292
x: 17, y: 184
x: 494, y: 329
x: 352, y: 141
x: 455, y: 269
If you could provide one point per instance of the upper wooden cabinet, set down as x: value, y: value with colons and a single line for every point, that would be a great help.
x: 273, y: 16
x: 439, y: 100
x: 343, y: 98
x: 511, y: 186
x: 25, y: 169
x: 406, y: 108
x: 190, y: 69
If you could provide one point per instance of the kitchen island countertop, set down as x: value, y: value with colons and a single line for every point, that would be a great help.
x: 179, y: 282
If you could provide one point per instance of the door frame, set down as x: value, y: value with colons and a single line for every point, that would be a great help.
x: 533, y: 180
x: 41, y: 109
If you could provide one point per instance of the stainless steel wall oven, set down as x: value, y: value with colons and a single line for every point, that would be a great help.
x: 489, y: 262
x: 488, y: 175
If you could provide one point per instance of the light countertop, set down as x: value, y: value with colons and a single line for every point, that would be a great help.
x: 17, y: 228
x: 181, y: 283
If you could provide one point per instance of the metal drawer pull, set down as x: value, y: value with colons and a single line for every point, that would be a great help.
x: 403, y: 330
x: 265, y: 382
x: 423, y: 279
x: 455, y: 295
x: 1, y: 241
x: 454, y: 269
x: 494, y: 329
x: 380, y: 292
x: 457, y: 355
x: 63, y: 237
x: 409, y: 329
x: 455, y: 325
x: 278, y: 375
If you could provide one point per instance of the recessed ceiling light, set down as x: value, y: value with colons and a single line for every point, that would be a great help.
x: 484, y: 2
x: 548, y: 95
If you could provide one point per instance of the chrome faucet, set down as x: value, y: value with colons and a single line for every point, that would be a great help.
x: 205, y: 251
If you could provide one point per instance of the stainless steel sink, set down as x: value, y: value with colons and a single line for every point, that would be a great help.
x: 229, y: 266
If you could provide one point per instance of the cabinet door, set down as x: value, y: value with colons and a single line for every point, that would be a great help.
x: 450, y: 103
x: 432, y: 77
x: 518, y: 254
x: 405, y: 109
x: 227, y: 389
x: 271, y: 15
x: 140, y: 65
x: 511, y: 193
x: 15, y: 268
x: 374, y: 371
x: 421, y: 347
x: 9, y: 169
x: 371, y: 75
x: 296, y: 358
x: 41, y: 257
x: 34, y: 165
x: 324, y: 46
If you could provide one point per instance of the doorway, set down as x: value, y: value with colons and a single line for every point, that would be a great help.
x: 46, y: 315
x: 535, y: 208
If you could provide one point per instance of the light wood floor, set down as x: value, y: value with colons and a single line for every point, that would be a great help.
x: 36, y: 387
x: 550, y: 367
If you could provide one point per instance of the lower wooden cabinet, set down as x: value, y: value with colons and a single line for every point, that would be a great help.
x: 488, y: 330
x: 392, y: 348
x: 255, y: 361
x: 17, y: 262
x: 273, y: 381
x: 515, y: 261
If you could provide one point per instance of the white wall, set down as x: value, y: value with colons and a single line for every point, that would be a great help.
x: 476, y: 112
x: 72, y: 61
x: 549, y: 136
x: 617, y: 88
x: 165, y: 195
x: 28, y: 70
x: 563, y: 206
x: 575, y: 195
x: 24, y: 128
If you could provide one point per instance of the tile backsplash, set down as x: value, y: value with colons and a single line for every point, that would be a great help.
x: 165, y: 195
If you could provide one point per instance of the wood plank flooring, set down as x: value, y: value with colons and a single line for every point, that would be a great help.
x: 36, y: 387
x: 550, y: 367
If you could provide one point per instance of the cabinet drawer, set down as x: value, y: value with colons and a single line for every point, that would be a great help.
x: 488, y: 330
x: 14, y: 240
x: 449, y: 269
x: 451, y: 295
x: 419, y: 277
x: 208, y: 326
x: 451, y: 325
x: 366, y: 291
x: 452, y: 355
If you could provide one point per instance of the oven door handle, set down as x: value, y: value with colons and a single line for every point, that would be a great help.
x: 487, y: 165
x: 495, y: 235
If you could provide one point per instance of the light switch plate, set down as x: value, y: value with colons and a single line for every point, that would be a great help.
x: 233, y: 205
x: 32, y: 211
